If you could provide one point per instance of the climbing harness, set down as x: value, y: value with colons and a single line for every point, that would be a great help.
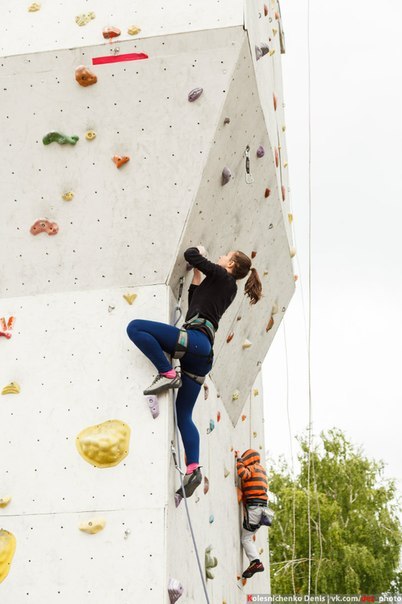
x: 196, y: 322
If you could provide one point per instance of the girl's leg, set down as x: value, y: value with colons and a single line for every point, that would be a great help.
x: 153, y: 338
x: 186, y: 397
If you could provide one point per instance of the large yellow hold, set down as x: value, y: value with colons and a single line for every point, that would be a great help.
x: 104, y: 445
x: 7, y: 550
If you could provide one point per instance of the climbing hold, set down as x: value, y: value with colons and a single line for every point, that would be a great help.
x: 153, y: 405
x: 175, y: 590
x: 62, y: 139
x: 290, y: 218
x: 261, y: 50
x: 210, y: 562
x: 110, y: 308
x: 283, y: 128
x: 133, y: 30
x: 265, y: 10
x: 104, y: 445
x: 230, y: 337
x: 84, y: 18
x: 283, y: 192
x: 239, y: 493
x: 206, y: 485
x: 4, y: 501
x: 44, y: 226
x: 276, y: 157
x: 130, y: 298
x: 267, y: 193
x: 254, y: 434
x: 258, y: 53
x: 177, y: 499
x: 69, y: 196
x: 11, y: 388
x: 295, y: 277
x: 211, y: 519
x: 274, y: 309
x: 246, y: 344
x: 211, y: 426
x: 226, y: 472
x: 265, y: 273
x: 197, y: 499
x: 226, y: 121
x: 272, y: 52
x: 244, y: 582
x: 270, y: 324
x: 120, y: 160
x: 261, y: 550
x: 5, y: 327
x: 256, y: 392
x: 33, y: 8
x: 292, y: 252
x: 194, y: 94
x: 7, y: 550
x: 243, y: 418
x: 285, y: 165
x: 84, y: 76
x: 253, y: 254
x: 274, y: 31
x: 260, y: 151
x: 218, y: 416
x: 93, y: 526
x: 238, y: 318
x: 226, y: 176
x: 275, y: 101
x: 235, y: 395
x: 254, y: 537
x: 90, y: 135
x: 277, y: 16
x: 111, y: 32
x: 206, y: 392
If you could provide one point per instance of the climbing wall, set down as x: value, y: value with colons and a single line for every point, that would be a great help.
x: 177, y: 143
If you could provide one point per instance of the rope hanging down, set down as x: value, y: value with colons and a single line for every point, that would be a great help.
x: 177, y: 460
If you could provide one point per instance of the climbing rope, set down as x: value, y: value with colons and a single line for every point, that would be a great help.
x: 177, y: 460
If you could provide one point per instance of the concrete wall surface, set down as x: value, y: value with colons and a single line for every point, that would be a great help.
x: 114, y: 253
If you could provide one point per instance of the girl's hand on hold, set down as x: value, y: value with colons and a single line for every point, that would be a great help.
x: 202, y: 250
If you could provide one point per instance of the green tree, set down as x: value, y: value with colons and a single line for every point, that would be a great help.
x: 355, y: 532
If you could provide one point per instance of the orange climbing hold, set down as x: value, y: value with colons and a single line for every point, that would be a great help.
x: 276, y: 157
x: 44, y: 226
x: 84, y: 76
x: 253, y: 254
x: 230, y: 337
x: 275, y: 101
x: 111, y: 32
x: 120, y: 160
x: 243, y: 418
x: 265, y: 10
x: 270, y: 324
x: 267, y: 193
x: 218, y: 416
x: 283, y: 193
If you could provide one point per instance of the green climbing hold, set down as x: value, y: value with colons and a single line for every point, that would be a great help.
x: 62, y: 139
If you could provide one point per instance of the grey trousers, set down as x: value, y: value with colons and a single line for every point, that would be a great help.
x: 254, y: 517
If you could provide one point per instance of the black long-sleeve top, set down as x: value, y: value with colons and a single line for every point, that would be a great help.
x: 214, y: 295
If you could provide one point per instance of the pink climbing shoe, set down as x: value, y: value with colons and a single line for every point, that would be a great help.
x: 162, y: 383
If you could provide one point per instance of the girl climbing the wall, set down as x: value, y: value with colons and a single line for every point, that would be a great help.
x: 208, y: 299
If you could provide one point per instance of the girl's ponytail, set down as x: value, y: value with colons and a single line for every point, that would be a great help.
x: 253, y: 287
x: 242, y: 266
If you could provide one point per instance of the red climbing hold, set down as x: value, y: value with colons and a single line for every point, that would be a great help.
x: 218, y: 416
x: 230, y: 337
x: 283, y: 192
x: 276, y: 157
x: 265, y: 10
x: 44, y: 226
x: 253, y: 254
x: 275, y: 101
x: 267, y: 193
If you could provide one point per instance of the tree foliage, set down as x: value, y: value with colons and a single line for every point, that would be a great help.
x: 355, y: 530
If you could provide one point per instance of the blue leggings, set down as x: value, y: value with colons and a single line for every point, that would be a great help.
x: 154, y: 339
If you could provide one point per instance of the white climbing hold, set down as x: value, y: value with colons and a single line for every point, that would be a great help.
x: 175, y: 590
x: 246, y: 344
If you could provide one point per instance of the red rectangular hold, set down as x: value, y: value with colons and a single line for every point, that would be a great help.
x: 132, y: 56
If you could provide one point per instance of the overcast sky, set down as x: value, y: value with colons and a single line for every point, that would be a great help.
x: 356, y: 104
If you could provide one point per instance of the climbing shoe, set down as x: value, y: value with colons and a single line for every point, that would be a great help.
x: 162, y: 383
x: 190, y: 483
x: 255, y: 567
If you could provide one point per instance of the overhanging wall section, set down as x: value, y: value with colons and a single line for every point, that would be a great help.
x: 247, y: 216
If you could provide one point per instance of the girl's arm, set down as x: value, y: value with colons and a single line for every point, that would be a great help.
x: 197, y: 260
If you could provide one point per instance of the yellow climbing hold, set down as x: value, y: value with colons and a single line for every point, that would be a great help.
x: 34, y: 7
x: 256, y: 392
x: 133, y: 30
x: 290, y: 218
x: 283, y: 128
x: 84, y: 18
x: 68, y: 196
x: 7, y: 550
x: 292, y: 252
x: 104, y: 445
x: 254, y: 434
x: 246, y: 344
x: 11, y: 388
x: 130, y: 298
x: 93, y: 526
x: 4, y: 501
x: 90, y: 135
x: 235, y: 395
x: 274, y: 31
x: 261, y: 550
x: 272, y: 52
x: 285, y: 165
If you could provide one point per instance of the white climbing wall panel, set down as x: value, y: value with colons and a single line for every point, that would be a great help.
x: 124, y: 232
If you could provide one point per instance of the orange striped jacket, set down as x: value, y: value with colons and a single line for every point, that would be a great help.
x: 254, y: 484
